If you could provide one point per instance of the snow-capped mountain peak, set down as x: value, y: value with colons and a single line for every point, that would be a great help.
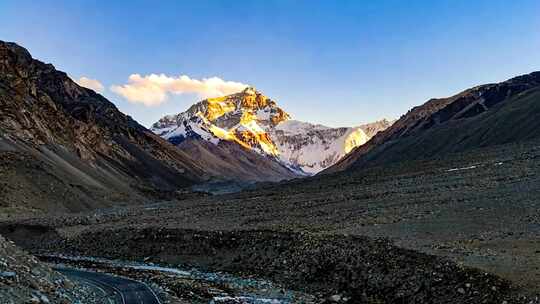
x: 257, y: 123
x: 244, y: 117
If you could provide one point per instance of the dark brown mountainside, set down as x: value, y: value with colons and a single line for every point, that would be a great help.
x: 486, y: 115
x: 234, y: 161
x: 65, y: 147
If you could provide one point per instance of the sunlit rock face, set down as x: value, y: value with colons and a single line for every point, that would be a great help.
x: 244, y: 117
x: 355, y: 139
x: 255, y: 122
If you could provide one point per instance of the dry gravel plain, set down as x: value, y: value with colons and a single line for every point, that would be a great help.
x: 479, y: 209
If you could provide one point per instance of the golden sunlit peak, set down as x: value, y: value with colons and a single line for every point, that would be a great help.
x: 357, y: 138
x: 246, y: 117
x: 250, y: 91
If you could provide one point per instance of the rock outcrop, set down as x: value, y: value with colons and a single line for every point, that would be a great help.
x: 23, y: 279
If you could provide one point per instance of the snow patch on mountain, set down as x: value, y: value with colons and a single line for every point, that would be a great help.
x: 314, y: 147
x: 297, y: 127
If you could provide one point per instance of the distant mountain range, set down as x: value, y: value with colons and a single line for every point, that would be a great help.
x: 256, y: 124
x: 482, y: 116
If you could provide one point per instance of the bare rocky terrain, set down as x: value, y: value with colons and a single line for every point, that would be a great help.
x: 23, y: 279
x: 486, y: 115
x: 327, y: 233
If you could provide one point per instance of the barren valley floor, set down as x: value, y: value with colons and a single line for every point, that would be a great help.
x: 478, y: 209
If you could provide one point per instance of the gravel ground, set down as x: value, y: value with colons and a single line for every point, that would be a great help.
x: 349, y: 268
x: 478, y: 209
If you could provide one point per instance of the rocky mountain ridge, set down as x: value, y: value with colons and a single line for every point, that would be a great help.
x: 485, y: 115
x: 77, y: 140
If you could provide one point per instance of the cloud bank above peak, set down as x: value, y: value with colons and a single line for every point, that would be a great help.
x: 154, y: 89
x: 90, y: 84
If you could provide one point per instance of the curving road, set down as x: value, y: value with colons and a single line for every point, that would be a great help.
x: 116, y: 289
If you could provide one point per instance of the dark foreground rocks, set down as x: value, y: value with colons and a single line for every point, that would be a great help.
x: 345, y: 269
x: 23, y: 279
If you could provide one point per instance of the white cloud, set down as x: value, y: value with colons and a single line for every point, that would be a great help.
x: 90, y: 83
x: 153, y: 89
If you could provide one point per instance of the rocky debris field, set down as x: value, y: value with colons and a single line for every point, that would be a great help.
x: 372, y: 235
x: 187, y: 284
x: 339, y: 269
x: 23, y: 279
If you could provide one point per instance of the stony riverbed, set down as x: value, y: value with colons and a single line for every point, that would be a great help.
x: 190, y: 284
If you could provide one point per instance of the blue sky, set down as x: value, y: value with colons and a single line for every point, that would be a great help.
x: 339, y: 63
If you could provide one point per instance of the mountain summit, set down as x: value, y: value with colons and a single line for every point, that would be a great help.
x: 243, y: 117
x: 258, y: 124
